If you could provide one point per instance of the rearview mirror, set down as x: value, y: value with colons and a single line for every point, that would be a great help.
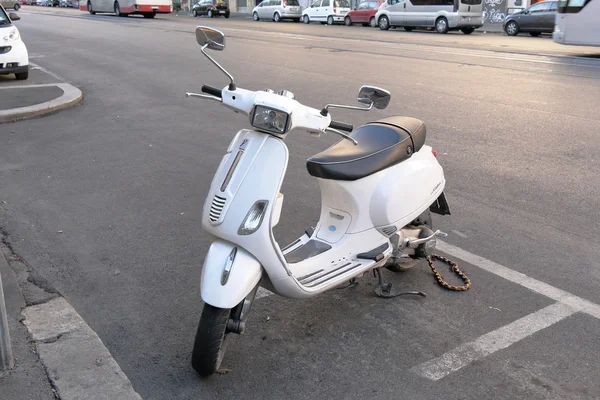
x: 379, y: 98
x: 211, y: 38
x: 14, y: 16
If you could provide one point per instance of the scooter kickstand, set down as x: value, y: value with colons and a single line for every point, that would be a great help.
x: 353, y: 283
x: 384, y: 290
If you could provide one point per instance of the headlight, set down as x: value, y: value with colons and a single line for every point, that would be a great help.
x: 270, y: 120
x: 13, y: 35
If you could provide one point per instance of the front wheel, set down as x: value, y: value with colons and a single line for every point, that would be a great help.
x: 255, y: 16
x: 17, y: 6
x: 384, y: 23
x: 512, y: 29
x: 347, y: 21
x: 372, y: 22
x: 535, y: 34
x: 330, y: 20
x: 306, y: 19
x: 210, y: 341
x: 441, y: 25
x: 210, y: 14
x: 89, y: 7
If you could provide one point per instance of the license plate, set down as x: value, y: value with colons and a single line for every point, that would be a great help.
x: 344, y: 12
x: 221, y: 12
x: 293, y: 9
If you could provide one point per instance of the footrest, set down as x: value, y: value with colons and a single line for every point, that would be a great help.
x: 376, y: 254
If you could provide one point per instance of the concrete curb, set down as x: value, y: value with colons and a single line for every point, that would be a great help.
x: 70, y: 97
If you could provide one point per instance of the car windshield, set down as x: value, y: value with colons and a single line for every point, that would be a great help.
x: 292, y: 3
x: 342, y: 4
x: 220, y: 2
x: 3, y: 17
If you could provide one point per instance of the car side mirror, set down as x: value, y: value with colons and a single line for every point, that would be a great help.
x: 371, y: 95
x: 14, y: 16
x: 525, y: 11
x: 211, y: 38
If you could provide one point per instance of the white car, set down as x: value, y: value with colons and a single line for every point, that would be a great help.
x: 326, y: 11
x: 14, y: 58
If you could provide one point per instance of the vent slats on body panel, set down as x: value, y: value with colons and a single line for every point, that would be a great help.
x: 216, y: 208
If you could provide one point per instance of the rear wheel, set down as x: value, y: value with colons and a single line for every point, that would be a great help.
x: 210, y: 14
x: 347, y: 21
x: 227, y: 14
x: 17, y: 6
x: 117, y: 9
x: 535, y: 34
x: 384, y: 23
x: 423, y: 220
x: 196, y: 13
x: 255, y: 16
x: 296, y: 19
x: 330, y: 20
x: 149, y: 15
x: 89, y: 7
x: 512, y: 28
x: 408, y: 28
x: 467, y: 31
x: 372, y: 22
x: 276, y: 17
x: 441, y: 25
x: 306, y: 19
x: 210, y: 341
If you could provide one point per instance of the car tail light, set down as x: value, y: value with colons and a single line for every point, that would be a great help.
x: 283, y: 3
x: 335, y: 10
x: 434, y: 152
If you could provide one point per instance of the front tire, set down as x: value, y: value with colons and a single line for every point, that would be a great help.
x: 255, y: 16
x: 306, y: 19
x: 441, y: 25
x: 209, y: 344
x: 535, y: 34
x: 330, y: 20
x: 89, y: 7
x: 372, y: 22
x: 117, y: 9
x: 210, y: 14
x: 384, y: 23
x: 17, y: 6
x: 347, y: 21
x: 22, y: 76
x: 512, y: 28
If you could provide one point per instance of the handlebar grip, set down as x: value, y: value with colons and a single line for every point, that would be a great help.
x: 341, y: 126
x: 212, y: 91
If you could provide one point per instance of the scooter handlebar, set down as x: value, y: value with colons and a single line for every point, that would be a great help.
x: 341, y: 126
x: 212, y: 91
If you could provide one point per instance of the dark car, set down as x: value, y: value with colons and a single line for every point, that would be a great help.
x: 212, y: 8
x: 536, y: 19
x: 363, y: 14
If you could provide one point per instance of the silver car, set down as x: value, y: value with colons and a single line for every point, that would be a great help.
x: 278, y: 10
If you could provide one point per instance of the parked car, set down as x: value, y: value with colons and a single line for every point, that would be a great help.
x: 278, y: 10
x: 363, y: 13
x: 536, y: 19
x: 13, y: 53
x: 211, y: 8
x: 14, y: 4
x: 30, y: 2
x: 66, y: 3
x: 44, y: 3
x: 326, y: 11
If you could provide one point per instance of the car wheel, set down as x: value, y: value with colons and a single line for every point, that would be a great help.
x: 227, y: 14
x: 408, y: 28
x: 117, y: 9
x: 89, y: 7
x: 441, y: 25
x: 17, y: 6
x: 255, y: 16
x: 347, y: 21
x: 384, y: 23
x: 512, y: 28
x: 535, y: 34
x: 210, y: 14
x: 149, y: 15
x: 276, y: 17
x: 306, y: 19
x: 195, y: 13
x: 22, y: 76
x: 467, y: 31
x: 372, y: 22
x: 330, y: 20
x: 296, y: 19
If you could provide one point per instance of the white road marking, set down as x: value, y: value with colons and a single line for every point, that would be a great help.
x: 493, y: 341
x: 462, y: 235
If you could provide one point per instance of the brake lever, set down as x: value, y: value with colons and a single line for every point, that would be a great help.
x: 342, y: 134
x: 204, y: 96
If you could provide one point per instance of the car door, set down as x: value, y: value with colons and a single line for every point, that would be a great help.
x: 264, y: 10
x: 359, y: 14
x: 396, y: 11
x: 549, y: 18
x: 325, y: 10
x: 313, y: 10
x: 532, y: 20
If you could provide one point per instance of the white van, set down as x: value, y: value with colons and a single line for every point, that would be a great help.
x: 443, y: 15
x: 326, y: 11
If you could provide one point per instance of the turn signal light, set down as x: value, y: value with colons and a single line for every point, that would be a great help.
x: 434, y: 152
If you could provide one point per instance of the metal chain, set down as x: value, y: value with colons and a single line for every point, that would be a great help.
x: 454, y: 268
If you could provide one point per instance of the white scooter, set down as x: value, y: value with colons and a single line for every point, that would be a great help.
x: 378, y: 186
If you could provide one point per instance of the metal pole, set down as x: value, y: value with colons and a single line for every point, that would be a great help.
x: 6, y: 357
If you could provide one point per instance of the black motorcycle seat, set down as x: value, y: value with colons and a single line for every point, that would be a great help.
x: 381, y: 144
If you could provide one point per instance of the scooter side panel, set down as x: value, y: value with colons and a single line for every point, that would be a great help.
x: 228, y: 275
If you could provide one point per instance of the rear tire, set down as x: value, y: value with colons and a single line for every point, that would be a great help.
x: 306, y: 19
x: 467, y: 31
x: 372, y: 22
x: 149, y: 15
x: 209, y: 344
x: 330, y: 20
x: 89, y: 7
x: 210, y: 14
x: 384, y: 23
x: 512, y: 28
x: 117, y: 9
x: 276, y: 17
x: 535, y: 34
x: 296, y: 19
x: 227, y: 15
x: 441, y: 25
x: 17, y: 6
x: 423, y: 219
x: 408, y: 28
x: 255, y: 16
x: 196, y: 13
x: 347, y: 21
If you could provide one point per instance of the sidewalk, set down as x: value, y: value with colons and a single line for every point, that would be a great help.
x: 41, y: 94
x: 27, y: 380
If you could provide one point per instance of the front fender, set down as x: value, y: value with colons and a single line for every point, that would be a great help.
x: 228, y: 290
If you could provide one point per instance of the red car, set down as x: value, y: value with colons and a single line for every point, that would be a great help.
x: 363, y: 14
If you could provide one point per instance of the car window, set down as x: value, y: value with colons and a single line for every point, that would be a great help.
x: 316, y: 3
x: 362, y: 6
x: 3, y: 17
x: 341, y: 3
x: 275, y: 2
x: 553, y: 6
x: 373, y: 5
x: 292, y: 3
x: 539, y: 7
x: 325, y: 3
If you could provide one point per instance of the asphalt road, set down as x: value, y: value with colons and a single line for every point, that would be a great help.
x: 124, y: 175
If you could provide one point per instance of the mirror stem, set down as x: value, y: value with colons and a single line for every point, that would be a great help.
x: 232, y: 83
x: 328, y: 106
